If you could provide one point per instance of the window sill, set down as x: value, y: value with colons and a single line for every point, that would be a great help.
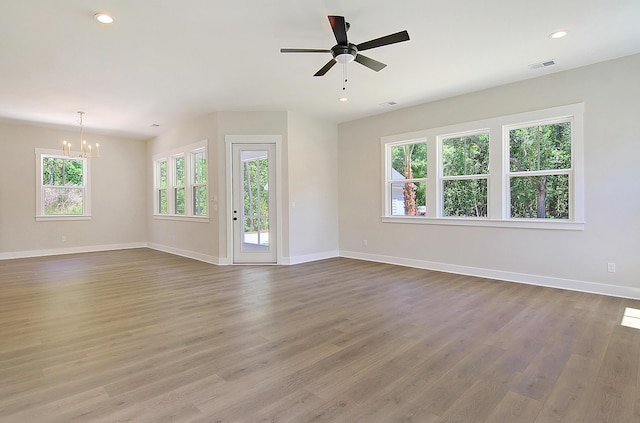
x: 59, y: 218
x: 201, y: 219
x: 492, y: 223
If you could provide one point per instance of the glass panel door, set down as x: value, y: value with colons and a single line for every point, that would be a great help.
x: 253, y: 214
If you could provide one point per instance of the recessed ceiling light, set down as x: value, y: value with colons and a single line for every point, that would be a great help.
x: 103, y: 18
x: 559, y: 34
x: 343, y: 99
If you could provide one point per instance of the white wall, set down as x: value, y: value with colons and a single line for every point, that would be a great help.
x: 313, y: 187
x: 572, y: 259
x: 118, y: 200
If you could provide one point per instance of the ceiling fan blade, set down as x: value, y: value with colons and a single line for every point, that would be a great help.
x: 339, y: 27
x: 326, y: 68
x: 398, y: 37
x: 304, y: 50
x: 370, y: 63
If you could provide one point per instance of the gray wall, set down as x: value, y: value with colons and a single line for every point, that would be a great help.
x: 572, y: 259
x: 334, y: 178
x: 118, y: 195
x: 313, y: 188
x: 308, y: 177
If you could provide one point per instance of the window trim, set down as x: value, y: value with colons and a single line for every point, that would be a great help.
x: 193, y: 184
x: 498, y: 210
x: 174, y: 181
x: 40, y: 216
x: 158, y: 186
x: 439, y: 200
x: 388, y: 206
x: 170, y: 156
x: 570, y: 171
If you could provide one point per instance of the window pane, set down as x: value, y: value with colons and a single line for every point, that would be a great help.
x: 543, y: 197
x: 162, y: 201
x: 62, y: 172
x: 467, y: 155
x: 163, y: 173
x: 263, y: 234
x: 409, y: 161
x: 179, y: 161
x: 465, y: 197
x: 63, y: 201
x: 199, y: 168
x: 256, y: 187
x: 200, y: 200
x: 408, y: 199
x: 179, y: 198
x: 543, y: 147
x: 256, y: 232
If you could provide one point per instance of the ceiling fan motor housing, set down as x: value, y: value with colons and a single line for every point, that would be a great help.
x: 344, y: 53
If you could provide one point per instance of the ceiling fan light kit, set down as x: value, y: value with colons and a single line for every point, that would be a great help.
x: 345, y: 52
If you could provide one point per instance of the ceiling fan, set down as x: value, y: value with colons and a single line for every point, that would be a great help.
x: 345, y: 52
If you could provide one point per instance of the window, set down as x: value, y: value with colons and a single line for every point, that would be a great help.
x: 523, y: 170
x: 62, y: 186
x: 465, y: 172
x: 199, y: 182
x: 408, y: 179
x: 540, y: 170
x: 162, y: 187
x: 180, y: 182
x: 178, y: 187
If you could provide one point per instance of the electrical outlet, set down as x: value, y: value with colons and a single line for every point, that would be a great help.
x: 64, y: 238
x: 364, y: 242
x: 611, y: 267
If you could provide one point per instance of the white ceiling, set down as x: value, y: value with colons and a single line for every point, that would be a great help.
x: 166, y: 61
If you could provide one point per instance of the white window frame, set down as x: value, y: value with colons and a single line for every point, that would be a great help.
x: 175, y: 186
x: 389, y: 181
x: 439, y: 206
x: 40, y: 215
x: 498, y: 203
x: 192, y: 182
x: 170, y: 157
x: 157, y: 186
x: 509, y: 174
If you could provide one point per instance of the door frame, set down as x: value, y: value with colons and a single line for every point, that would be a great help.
x: 230, y: 140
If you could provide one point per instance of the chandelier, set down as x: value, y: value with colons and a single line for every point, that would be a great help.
x: 86, y: 150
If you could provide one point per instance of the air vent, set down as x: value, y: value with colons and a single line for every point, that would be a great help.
x: 542, y: 64
x: 388, y: 103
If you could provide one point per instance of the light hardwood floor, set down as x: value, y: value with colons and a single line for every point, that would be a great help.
x: 144, y: 336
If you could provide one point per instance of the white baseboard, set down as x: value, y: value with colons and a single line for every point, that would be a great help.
x: 547, y: 281
x: 569, y: 284
x: 186, y: 253
x: 309, y: 257
x: 71, y: 250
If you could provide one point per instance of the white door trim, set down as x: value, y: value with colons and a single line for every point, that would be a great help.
x: 252, y: 139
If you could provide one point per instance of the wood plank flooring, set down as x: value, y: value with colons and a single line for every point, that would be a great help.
x: 144, y: 336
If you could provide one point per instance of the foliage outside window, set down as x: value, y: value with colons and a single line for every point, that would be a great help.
x: 63, y: 187
x: 178, y: 187
x: 162, y: 187
x: 256, y: 198
x: 540, y: 169
x: 523, y: 170
x: 181, y: 182
x: 465, y: 164
x: 408, y: 179
x: 199, y: 185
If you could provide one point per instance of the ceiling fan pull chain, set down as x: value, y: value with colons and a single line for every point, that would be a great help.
x: 344, y: 76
